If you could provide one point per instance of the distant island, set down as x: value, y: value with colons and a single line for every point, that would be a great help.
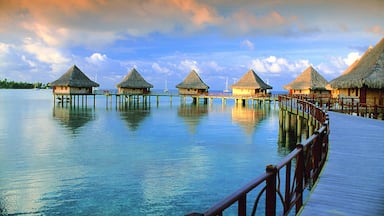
x: 6, y: 84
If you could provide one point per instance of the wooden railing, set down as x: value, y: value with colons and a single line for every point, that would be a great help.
x: 353, y: 106
x: 348, y: 105
x: 283, y: 184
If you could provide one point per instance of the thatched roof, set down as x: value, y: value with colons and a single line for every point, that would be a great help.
x: 308, y: 79
x: 251, y: 81
x: 74, y: 77
x: 192, y: 81
x: 134, y: 80
x: 367, y: 71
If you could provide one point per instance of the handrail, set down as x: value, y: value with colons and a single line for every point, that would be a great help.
x: 304, y: 163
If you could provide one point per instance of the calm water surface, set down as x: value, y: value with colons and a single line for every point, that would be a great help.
x: 164, y: 159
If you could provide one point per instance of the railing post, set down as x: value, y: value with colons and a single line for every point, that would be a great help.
x: 300, y: 170
x: 270, y: 196
x: 242, y: 206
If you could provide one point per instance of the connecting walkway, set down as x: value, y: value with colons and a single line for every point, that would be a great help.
x: 352, y: 181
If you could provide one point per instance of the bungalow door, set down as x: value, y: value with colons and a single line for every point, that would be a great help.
x: 363, y: 94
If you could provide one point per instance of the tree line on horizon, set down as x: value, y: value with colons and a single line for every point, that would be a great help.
x: 6, y: 84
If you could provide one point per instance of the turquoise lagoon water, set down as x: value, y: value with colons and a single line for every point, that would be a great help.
x: 162, y: 159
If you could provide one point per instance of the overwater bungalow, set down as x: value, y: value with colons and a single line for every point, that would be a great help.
x: 309, y: 82
x: 250, y: 85
x: 73, y: 82
x: 364, y: 79
x: 192, y: 85
x: 134, y: 83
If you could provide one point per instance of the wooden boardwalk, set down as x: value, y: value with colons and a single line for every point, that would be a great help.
x: 352, y: 182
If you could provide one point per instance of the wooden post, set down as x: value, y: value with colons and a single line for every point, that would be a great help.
x: 298, y: 131
x: 300, y: 170
x: 270, y: 194
x: 242, y: 206
x: 310, y: 126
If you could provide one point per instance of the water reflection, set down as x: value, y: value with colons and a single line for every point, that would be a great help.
x: 192, y: 115
x: 106, y: 169
x: 73, y: 118
x: 134, y: 114
x: 292, y: 130
x: 247, y: 117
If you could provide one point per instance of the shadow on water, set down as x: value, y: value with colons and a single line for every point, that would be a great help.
x: 192, y: 114
x: 73, y: 118
x: 133, y: 114
x: 291, y: 134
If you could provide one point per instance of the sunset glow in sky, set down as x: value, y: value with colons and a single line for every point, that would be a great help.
x: 166, y: 39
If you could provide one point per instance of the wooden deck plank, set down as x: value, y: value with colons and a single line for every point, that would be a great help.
x: 352, y: 181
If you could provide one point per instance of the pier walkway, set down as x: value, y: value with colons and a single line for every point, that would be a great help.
x: 352, y: 181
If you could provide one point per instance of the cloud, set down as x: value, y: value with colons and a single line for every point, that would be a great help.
x: 248, y: 44
x: 163, y: 70
x: 275, y: 65
x: 44, y: 53
x: 242, y: 22
x: 351, y: 58
x: 376, y: 30
x: 188, y: 65
x: 335, y: 65
x: 212, y: 66
x: 97, y: 58
x: 201, y: 13
x: 98, y: 23
x: 89, y: 22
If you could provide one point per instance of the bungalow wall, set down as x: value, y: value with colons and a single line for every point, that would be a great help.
x: 348, y: 93
x: 133, y: 90
x: 309, y: 92
x: 365, y: 95
x: 248, y: 92
x: 375, y: 97
x: 300, y: 91
x: 184, y: 91
x: 71, y: 90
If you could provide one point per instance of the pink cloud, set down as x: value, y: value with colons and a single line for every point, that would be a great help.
x: 376, y: 30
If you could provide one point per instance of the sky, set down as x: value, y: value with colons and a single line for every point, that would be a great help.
x: 166, y: 39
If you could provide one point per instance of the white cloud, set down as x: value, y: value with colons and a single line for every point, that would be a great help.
x: 44, y: 53
x: 275, y: 65
x: 351, y: 58
x: 275, y: 68
x: 335, y: 65
x: 163, y: 70
x: 248, y: 44
x: 28, y: 61
x: 271, y: 59
x: 4, y: 48
x: 212, y: 66
x: 97, y: 58
x: 258, y: 66
x: 188, y: 65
